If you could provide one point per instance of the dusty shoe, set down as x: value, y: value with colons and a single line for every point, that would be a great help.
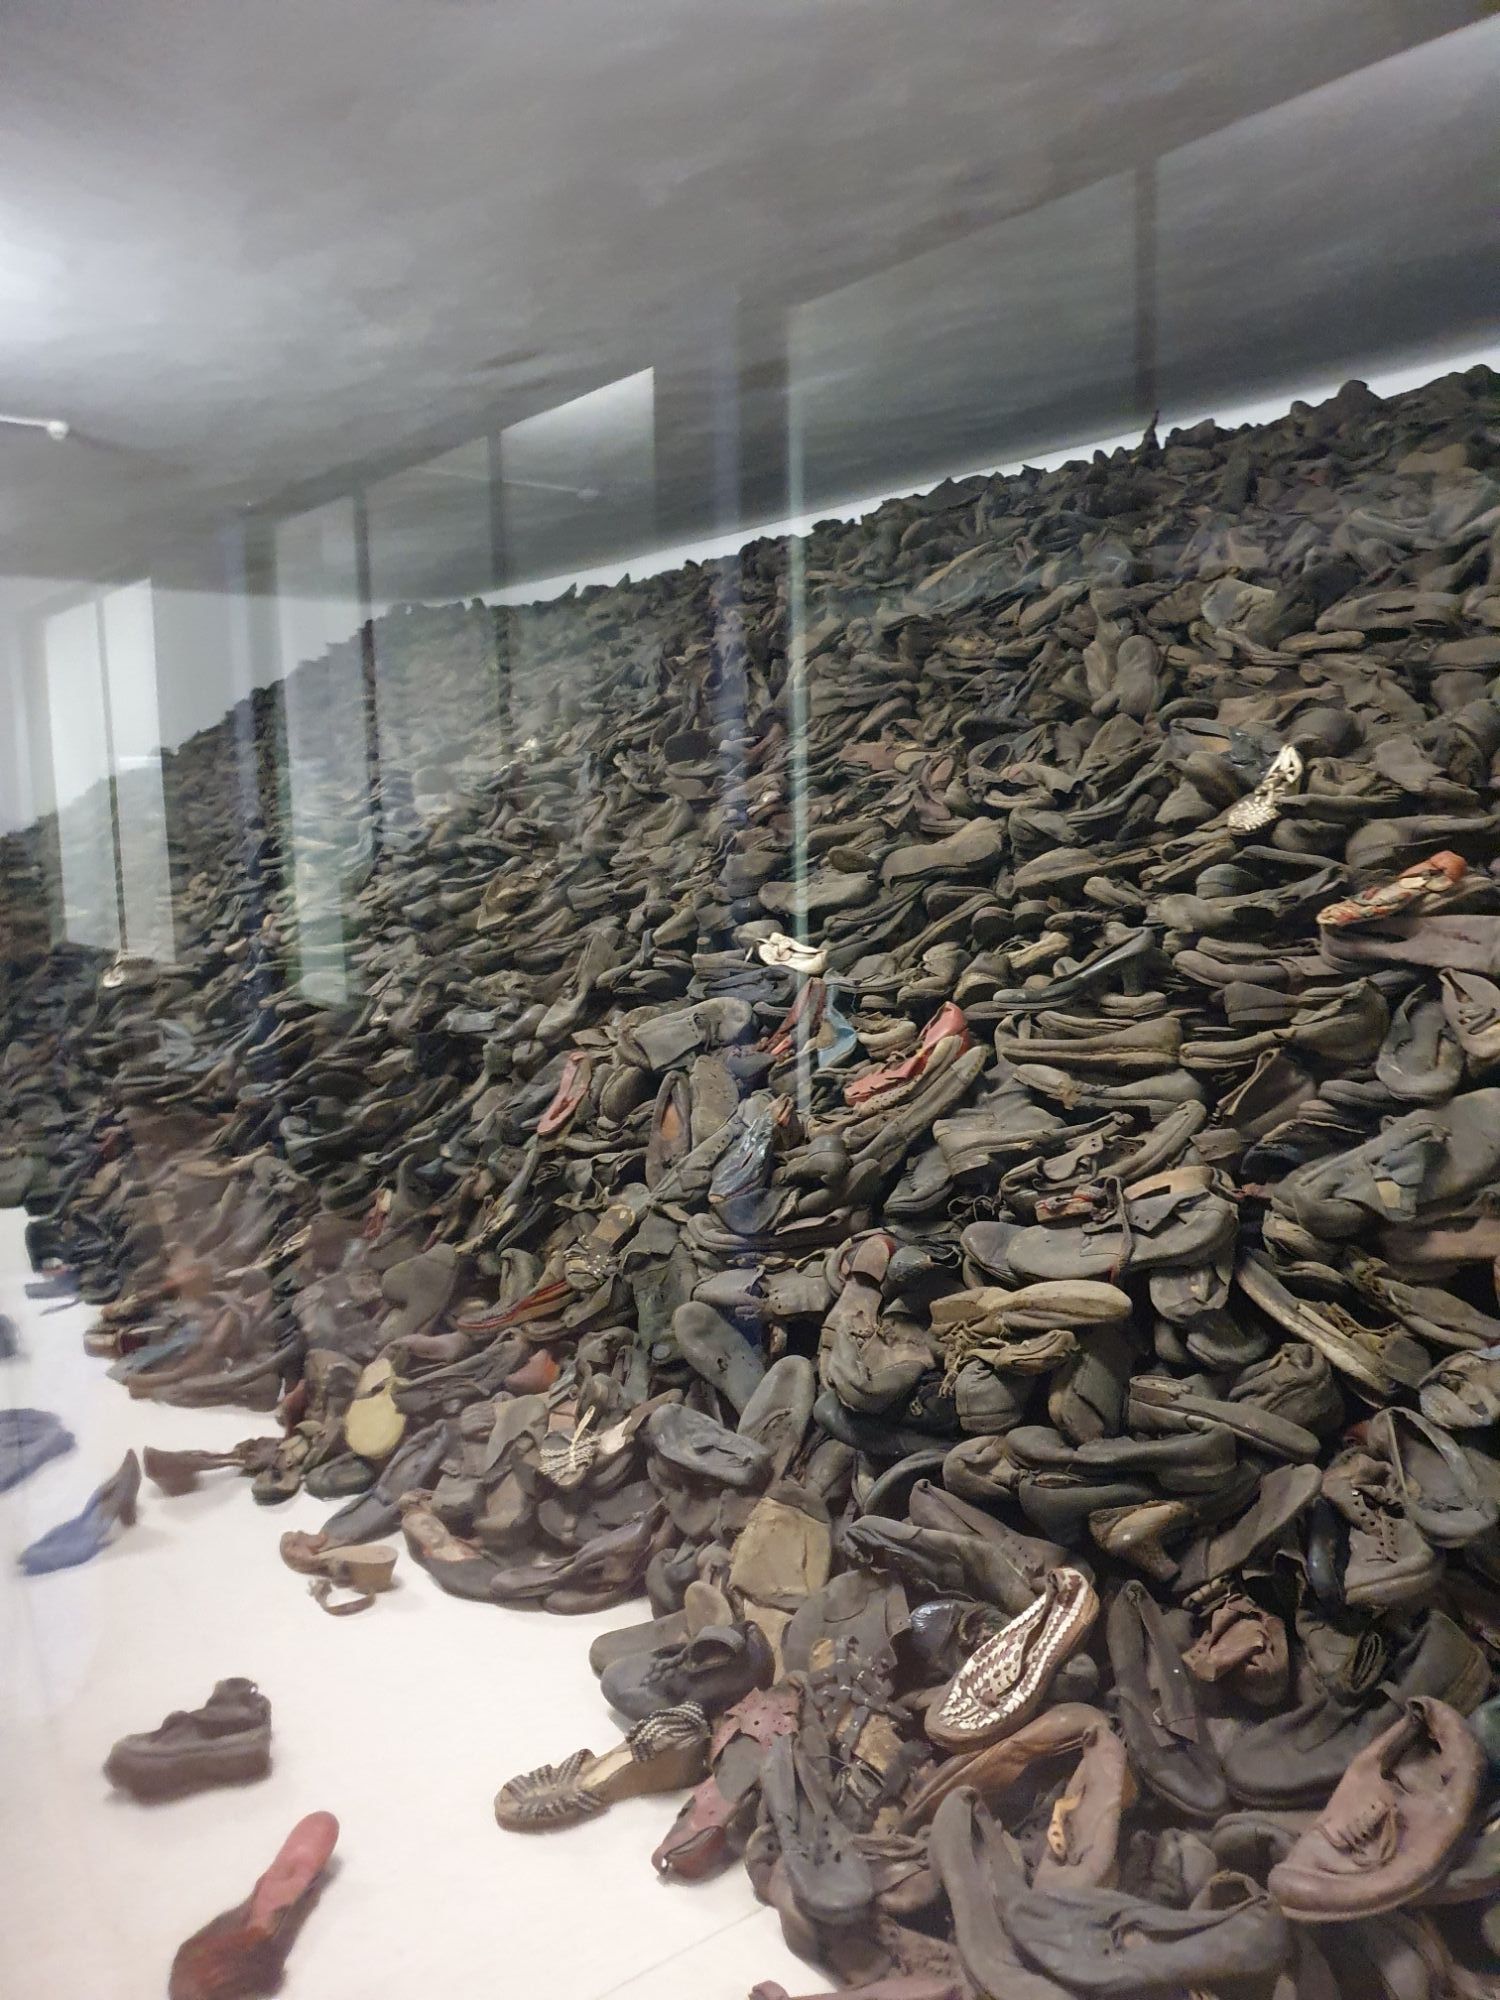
x: 178, y: 1472
x: 779, y: 949
x: 1463, y: 1391
x: 1419, y: 1164
x: 980, y: 1869
x: 715, y: 1668
x: 1170, y: 1221
x: 664, y: 1753
x: 413, y: 1469
x: 828, y: 1878
x: 1262, y: 807
x: 1244, y: 1647
x: 715, y: 1822
x: 1103, y: 1941
x: 459, y: 1567
x: 226, y: 1742
x: 1471, y: 1007
x: 1393, y: 1823
x: 1390, y: 1561
x: 1006, y: 1681
x: 1438, y: 1486
x: 718, y: 1352
x: 244, y: 1952
x: 778, y: 1413
x: 364, y: 1569
x: 697, y: 1447
x: 1062, y: 1730
x: 784, y: 1553
x: 1167, y: 1738
x: 1283, y: 1495
x: 1297, y: 1758
x: 1425, y: 886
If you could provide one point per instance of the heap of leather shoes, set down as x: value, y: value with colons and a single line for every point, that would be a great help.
x: 1011, y: 1279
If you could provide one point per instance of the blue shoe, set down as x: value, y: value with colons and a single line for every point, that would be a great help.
x: 170, y: 1347
x: 836, y: 1039
x: 28, y: 1438
x: 73, y: 1542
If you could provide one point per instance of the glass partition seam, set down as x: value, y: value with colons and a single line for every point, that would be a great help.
x: 795, y: 632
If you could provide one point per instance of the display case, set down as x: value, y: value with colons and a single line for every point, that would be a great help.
x: 757, y: 900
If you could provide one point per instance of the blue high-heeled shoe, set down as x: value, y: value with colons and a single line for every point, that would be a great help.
x: 72, y: 1542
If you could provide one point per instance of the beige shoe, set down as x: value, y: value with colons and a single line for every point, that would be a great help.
x: 373, y: 1426
x: 779, y: 949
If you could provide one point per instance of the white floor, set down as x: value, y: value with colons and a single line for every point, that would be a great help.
x: 403, y: 1721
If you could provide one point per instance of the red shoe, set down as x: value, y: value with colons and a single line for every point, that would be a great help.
x: 948, y: 1020
x: 1424, y: 886
x: 578, y: 1072
x: 243, y: 1952
x: 806, y: 1009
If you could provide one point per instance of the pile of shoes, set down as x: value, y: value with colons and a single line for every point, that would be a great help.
x: 954, y: 1148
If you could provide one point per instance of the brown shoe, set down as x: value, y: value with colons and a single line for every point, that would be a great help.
x: 1243, y: 1646
x: 1061, y: 1730
x: 226, y: 1742
x: 178, y: 1472
x: 715, y: 1821
x: 1393, y: 1823
x: 1390, y: 1561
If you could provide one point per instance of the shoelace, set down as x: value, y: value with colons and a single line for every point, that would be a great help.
x: 1367, y: 1835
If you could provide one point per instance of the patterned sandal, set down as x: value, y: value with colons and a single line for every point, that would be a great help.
x: 1263, y: 806
x: 1414, y: 890
x: 664, y: 1753
x: 1005, y: 1682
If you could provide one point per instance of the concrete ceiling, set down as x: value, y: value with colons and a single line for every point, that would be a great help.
x: 252, y: 252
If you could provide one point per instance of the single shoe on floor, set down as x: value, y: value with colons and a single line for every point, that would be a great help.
x: 225, y: 1742
x: 72, y: 1542
x: 243, y: 1952
x: 361, y: 1569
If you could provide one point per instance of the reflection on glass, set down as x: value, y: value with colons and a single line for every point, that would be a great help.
x: 72, y: 652
x: 581, y: 475
x: 429, y: 528
x: 1010, y: 340
x: 571, y: 477
x: 20, y: 767
x: 429, y: 534
x: 129, y: 628
x: 327, y: 805
x: 1326, y: 199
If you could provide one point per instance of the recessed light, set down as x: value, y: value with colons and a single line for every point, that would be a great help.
x: 55, y: 427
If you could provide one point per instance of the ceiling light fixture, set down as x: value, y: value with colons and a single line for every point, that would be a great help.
x: 553, y: 486
x: 55, y: 427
